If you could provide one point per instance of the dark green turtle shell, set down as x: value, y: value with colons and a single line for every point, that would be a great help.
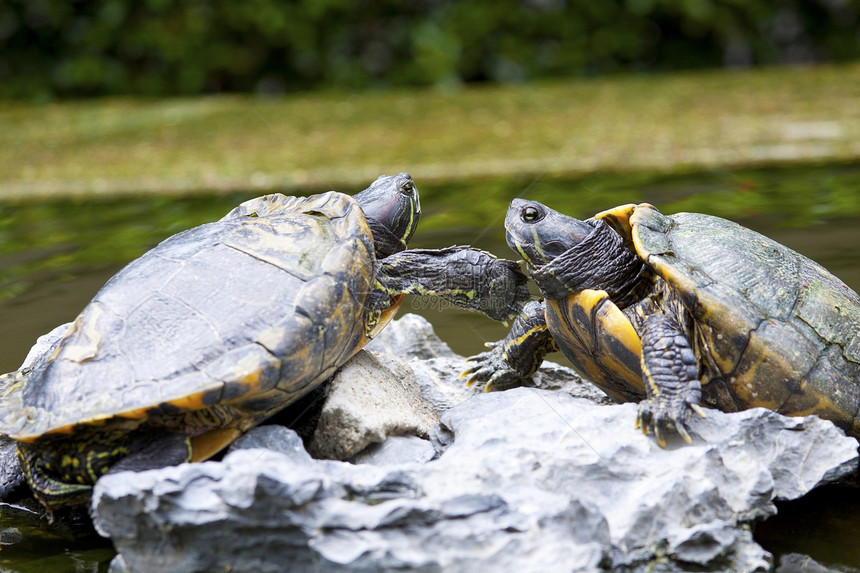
x: 234, y: 316
x: 772, y: 328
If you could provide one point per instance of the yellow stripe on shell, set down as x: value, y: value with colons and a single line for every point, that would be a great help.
x: 64, y: 430
x: 139, y: 414
x: 192, y: 402
x: 619, y: 218
x: 207, y: 445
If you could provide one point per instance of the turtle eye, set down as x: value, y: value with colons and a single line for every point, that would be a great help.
x: 532, y: 214
x: 408, y: 188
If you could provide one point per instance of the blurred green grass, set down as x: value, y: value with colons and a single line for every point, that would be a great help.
x: 666, y: 123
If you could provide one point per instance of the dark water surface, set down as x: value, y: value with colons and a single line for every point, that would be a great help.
x: 54, y: 256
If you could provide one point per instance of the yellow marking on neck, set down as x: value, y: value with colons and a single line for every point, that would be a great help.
x: 537, y: 243
x: 411, y: 219
x: 522, y: 254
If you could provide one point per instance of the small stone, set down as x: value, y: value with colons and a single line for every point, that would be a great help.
x: 370, y: 398
x: 274, y: 438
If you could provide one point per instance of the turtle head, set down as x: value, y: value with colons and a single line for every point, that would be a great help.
x: 539, y: 233
x: 392, y: 203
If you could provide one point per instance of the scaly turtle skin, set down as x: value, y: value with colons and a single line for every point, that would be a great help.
x: 681, y: 310
x: 221, y: 326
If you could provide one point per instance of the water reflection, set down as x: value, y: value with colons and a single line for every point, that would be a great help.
x: 28, y: 543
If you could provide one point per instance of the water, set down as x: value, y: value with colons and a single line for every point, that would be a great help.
x: 54, y: 257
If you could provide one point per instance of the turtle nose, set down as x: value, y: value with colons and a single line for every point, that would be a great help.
x: 511, y: 215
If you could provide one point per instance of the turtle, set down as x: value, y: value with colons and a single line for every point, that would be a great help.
x: 677, y: 312
x: 220, y: 326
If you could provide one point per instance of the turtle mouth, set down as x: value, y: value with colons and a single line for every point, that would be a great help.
x: 511, y: 241
x: 517, y: 246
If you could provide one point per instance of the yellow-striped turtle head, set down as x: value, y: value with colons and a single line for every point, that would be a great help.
x: 392, y: 209
x: 540, y: 234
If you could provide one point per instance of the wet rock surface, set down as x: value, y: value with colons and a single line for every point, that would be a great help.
x: 528, y: 479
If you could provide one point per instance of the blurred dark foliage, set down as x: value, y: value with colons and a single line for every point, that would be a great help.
x: 62, y: 48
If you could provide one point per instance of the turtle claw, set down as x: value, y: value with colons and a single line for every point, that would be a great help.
x: 488, y: 375
x: 489, y: 367
x: 698, y: 410
x: 478, y: 370
x: 665, y: 418
x: 658, y: 434
x: 682, y: 431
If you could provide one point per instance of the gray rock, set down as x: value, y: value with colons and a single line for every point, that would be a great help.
x: 522, y: 480
x: 797, y: 563
x: 530, y: 480
x: 413, y: 336
x: 397, y: 450
x: 437, y: 367
x: 369, y: 400
x: 394, y: 450
x: 274, y: 438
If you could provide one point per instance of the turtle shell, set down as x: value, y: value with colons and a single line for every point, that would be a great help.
x: 251, y: 311
x: 772, y: 328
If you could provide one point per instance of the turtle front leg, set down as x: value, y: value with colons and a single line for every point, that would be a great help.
x: 462, y: 276
x: 671, y: 376
x: 518, y: 355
